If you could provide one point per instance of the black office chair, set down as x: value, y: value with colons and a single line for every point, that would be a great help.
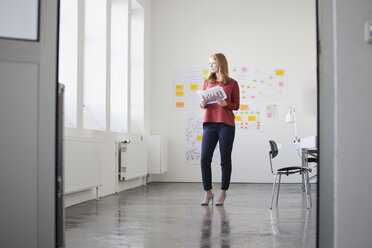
x: 303, y: 171
x: 314, y: 160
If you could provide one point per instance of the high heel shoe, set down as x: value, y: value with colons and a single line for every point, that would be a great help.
x: 221, y: 202
x: 206, y: 203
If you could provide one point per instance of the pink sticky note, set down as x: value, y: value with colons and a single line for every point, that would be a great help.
x: 281, y: 84
x: 244, y: 69
x: 269, y: 115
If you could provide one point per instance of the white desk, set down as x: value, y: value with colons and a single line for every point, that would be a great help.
x: 307, y: 145
x: 303, y: 143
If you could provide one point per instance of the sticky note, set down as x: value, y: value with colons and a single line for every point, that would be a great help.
x: 243, y: 97
x: 281, y: 93
x: 242, y: 86
x: 251, y: 118
x: 234, y: 69
x: 252, y: 96
x: 269, y: 84
x: 194, y: 87
x: 179, y: 93
x: 269, y: 115
x: 244, y: 69
x: 179, y: 87
x: 262, y: 81
x: 205, y: 72
x: 281, y: 84
x: 244, y: 107
x: 180, y: 104
x: 199, y: 137
x: 279, y: 72
x: 238, y: 118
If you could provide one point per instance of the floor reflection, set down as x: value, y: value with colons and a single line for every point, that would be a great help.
x: 302, y: 223
x: 207, y: 227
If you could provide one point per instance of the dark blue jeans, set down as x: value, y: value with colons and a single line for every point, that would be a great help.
x: 213, y: 133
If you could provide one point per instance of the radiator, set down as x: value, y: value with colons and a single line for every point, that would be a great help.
x: 132, y: 159
x: 83, y: 163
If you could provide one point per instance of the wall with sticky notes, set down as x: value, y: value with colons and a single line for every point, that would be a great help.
x: 271, y: 50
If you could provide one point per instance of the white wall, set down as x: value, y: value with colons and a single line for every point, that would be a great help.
x: 261, y: 34
x: 345, y: 216
x: 109, y: 168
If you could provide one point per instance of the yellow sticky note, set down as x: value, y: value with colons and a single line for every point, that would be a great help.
x: 179, y: 93
x: 194, y: 87
x: 180, y: 104
x: 199, y: 137
x: 238, y: 118
x: 251, y: 118
x: 243, y: 107
x: 279, y: 72
x: 205, y: 72
x: 179, y: 87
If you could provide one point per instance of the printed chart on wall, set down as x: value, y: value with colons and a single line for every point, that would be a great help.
x: 194, y: 136
x: 186, y: 83
x: 248, y: 117
x: 260, y: 84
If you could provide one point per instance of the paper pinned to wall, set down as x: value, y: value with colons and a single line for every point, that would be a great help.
x: 186, y: 83
x: 260, y: 84
x: 249, y: 117
x: 194, y: 136
x: 272, y: 111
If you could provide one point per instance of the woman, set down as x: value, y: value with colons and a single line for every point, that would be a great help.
x: 218, y: 126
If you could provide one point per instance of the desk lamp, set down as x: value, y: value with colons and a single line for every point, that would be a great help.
x: 291, y: 118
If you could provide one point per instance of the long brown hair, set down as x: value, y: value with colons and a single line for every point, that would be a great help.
x: 223, y: 69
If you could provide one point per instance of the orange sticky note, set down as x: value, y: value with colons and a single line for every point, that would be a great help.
x: 243, y: 107
x: 180, y: 104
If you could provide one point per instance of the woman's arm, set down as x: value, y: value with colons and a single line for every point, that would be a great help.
x: 235, y: 98
x: 203, y: 104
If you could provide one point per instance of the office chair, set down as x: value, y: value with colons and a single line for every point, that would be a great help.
x: 289, y: 170
x: 313, y: 160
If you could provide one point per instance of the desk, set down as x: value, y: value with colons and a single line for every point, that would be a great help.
x: 308, y: 148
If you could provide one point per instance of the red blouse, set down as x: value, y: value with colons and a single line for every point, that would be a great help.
x: 215, y: 112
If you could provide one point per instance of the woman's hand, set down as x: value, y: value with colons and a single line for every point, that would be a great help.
x: 221, y: 102
x: 203, y: 103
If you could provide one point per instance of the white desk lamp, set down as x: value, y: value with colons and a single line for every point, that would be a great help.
x: 291, y: 118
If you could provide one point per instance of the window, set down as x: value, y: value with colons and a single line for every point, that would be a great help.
x: 137, y: 68
x: 95, y: 65
x: 101, y: 63
x: 68, y: 58
x: 119, y: 66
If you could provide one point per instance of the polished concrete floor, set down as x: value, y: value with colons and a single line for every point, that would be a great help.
x: 162, y: 215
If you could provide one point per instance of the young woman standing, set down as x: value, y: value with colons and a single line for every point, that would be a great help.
x: 218, y: 126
